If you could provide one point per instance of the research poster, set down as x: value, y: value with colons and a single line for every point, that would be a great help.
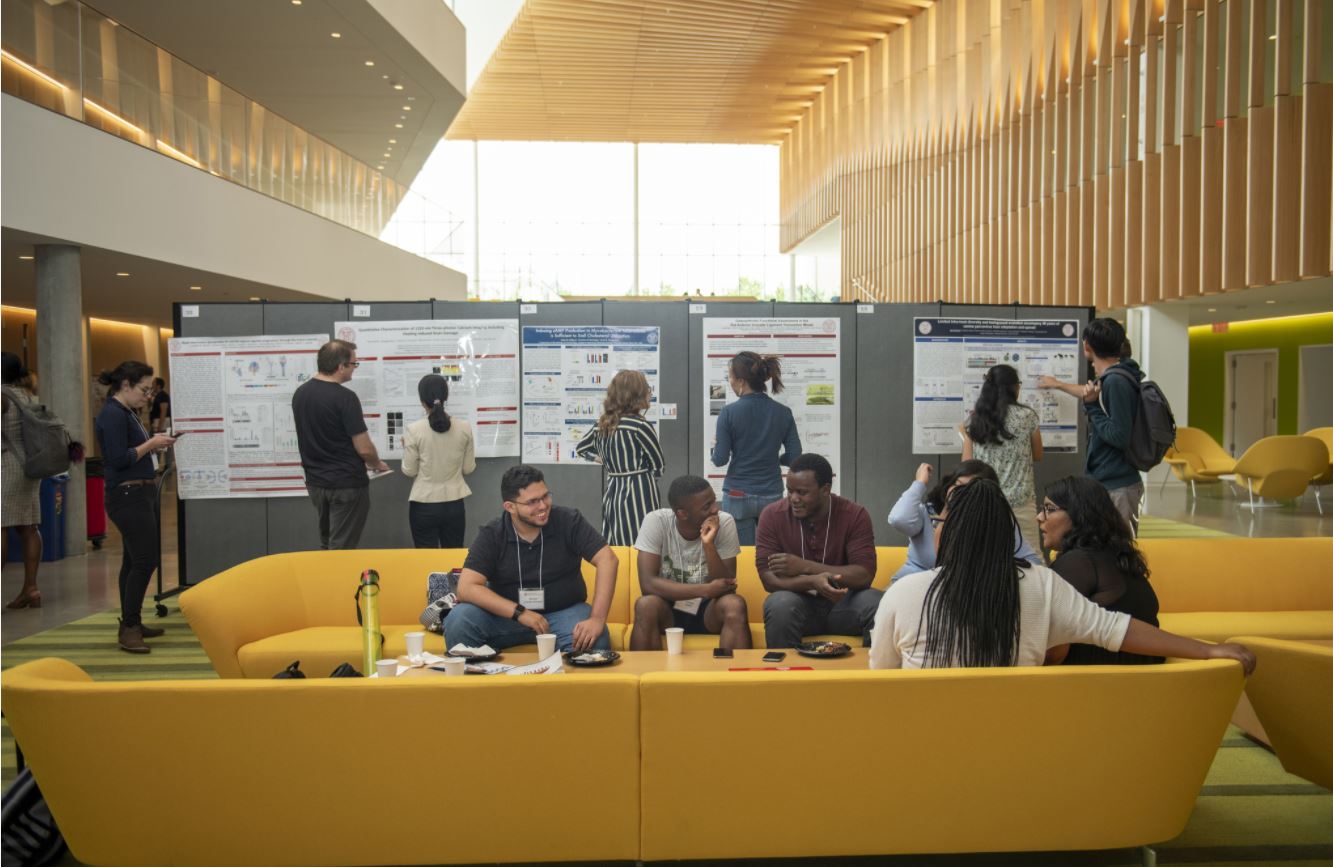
x: 231, y: 400
x: 951, y: 356
x: 479, y: 358
x: 566, y: 370
x: 809, y: 350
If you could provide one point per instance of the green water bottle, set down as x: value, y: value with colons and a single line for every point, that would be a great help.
x: 368, y: 595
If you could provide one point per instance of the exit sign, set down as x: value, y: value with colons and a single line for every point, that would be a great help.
x: 1221, y: 327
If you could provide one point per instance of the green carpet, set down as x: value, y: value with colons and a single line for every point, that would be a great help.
x: 1249, y: 812
x: 1151, y: 527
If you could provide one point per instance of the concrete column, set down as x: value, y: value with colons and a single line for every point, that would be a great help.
x: 1161, y: 338
x: 62, y: 380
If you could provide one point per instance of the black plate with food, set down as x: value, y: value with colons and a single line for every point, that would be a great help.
x: 592, y: 658
x: 474, y: 657
x: 823, y: 649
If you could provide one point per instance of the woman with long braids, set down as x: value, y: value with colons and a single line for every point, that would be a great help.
x: 626, y: 445
x: 1005, y: 434
x: 983, y: 608
x: 919, y: 505
x: 1098, y: 556
x: 437, y: 452
x: 756, y: 438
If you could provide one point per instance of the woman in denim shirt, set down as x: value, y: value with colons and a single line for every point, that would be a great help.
x: 756, y: 438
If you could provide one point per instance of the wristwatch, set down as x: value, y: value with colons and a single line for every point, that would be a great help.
x: 518, y: 612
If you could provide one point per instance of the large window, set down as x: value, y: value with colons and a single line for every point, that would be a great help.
x: 539, y: 220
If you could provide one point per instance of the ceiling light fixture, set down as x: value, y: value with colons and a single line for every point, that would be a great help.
x: 398, y: 126
x: 1272, y: 38
x: 397, y: 87
x: 393, y: 141
x: 370, y: 63
x: 32, y: 70
x: 25, y: 257
x: 381, y: 168
x: 1270, y: 301
x: 254, y: 297
x: 407, y: 108
x: 196, y: 288
x: 336, y: 35
x: 1212, y: 309
x: 296, y: 2
x: 122, y: 273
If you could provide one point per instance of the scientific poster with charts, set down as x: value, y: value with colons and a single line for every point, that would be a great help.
x: 951, y: 356
x: 566, y: 370
x: 232, y: 398
x: 479, y: 358
x: 811, y: 375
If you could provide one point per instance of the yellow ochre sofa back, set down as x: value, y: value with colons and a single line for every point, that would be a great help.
x: 447, y: 770
x: 334, y: 772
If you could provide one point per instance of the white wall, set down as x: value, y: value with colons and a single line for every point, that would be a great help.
x: 1161, y: 338
x: 71, y: 182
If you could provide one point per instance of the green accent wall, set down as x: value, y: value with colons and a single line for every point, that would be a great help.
x: 1208, y: 365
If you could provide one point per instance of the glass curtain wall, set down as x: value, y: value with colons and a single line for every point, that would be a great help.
x: 540, y: 220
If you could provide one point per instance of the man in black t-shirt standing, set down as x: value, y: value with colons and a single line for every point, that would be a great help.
x: 336, y: 451
x: 524, y: 574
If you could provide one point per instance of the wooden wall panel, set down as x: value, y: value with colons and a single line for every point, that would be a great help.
x: 993, y: 154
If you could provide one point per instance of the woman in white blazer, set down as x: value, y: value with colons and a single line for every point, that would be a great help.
x: 437, y: 452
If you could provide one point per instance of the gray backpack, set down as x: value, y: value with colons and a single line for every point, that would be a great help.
x: 45, y: 446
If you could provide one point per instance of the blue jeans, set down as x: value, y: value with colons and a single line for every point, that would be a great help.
x: 745, y: 509
x: 474, y: 626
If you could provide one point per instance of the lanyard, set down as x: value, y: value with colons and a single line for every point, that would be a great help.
x: 541, y: 558
x: 823, y: 557
x: 677, y: 545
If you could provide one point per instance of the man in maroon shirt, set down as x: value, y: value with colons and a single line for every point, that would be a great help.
x: 815, y: 552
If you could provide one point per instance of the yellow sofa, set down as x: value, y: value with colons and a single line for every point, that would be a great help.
x: 254, y: 619
x: 879, y: 762
x: 333, y: 772
x: 1292, y: 694
x: 1211, y: 589
x: 440, y: 770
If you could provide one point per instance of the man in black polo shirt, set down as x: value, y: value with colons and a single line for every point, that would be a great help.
x: 523, y: 574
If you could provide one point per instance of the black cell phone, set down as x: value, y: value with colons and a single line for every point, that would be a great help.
x: 722, y: 653
x: 774, y: 656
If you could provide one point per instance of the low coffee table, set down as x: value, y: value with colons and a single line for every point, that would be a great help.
x: 647, y: 661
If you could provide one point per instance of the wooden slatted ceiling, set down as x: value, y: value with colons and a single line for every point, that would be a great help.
x: 720, y: 71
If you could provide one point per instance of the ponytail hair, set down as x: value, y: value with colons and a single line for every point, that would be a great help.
x: 754, y: 370
x: 126, y: 371
x: 433, y: 390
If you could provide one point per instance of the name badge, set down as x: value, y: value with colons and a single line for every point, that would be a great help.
x: 532, y: 599
x: 689, y: 606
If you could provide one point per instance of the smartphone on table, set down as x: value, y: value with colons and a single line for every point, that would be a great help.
x: 774, y: 656
x: 722, y: 653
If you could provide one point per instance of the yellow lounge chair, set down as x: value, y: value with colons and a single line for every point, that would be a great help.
x: 1326, y: 477
x: 1196, y: 457
x: 1280, y: 467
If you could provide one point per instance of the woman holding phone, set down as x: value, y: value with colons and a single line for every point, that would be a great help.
x: 130, y: 461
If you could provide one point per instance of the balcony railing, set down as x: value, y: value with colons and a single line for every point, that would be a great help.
x: 72, y: 59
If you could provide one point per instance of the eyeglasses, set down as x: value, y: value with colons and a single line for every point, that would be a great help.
x: 145, y: 390
x: 1047, y: 508
x: 352, y: 363
x: 936, y: 520
x: 544, y: 498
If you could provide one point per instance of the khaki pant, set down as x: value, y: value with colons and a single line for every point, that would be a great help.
x: 1127, y: 500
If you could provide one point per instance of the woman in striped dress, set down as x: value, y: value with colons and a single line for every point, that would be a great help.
x: 624, y: 442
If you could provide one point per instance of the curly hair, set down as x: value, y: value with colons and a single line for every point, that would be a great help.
x: 1095, y: 524
x: 628, y: 394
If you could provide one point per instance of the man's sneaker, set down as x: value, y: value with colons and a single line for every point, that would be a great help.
x: 131, y: 639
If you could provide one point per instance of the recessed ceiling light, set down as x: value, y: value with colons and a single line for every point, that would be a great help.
x: 407, y: 108
x: 386, y: 156
x: 398, y: 126
x: 385, y: 77
x: 391, y: 141
x: 1270, y: 301
x: 122, y: 273
x: 254, y: 297
x: 296, y: 2
x: 411, y: 99
x: 370, y: 63
x: 26, y: 258
x: 397, y: 87
x: 381, y: 168
x: 196, y: 288
x: 336, y: 35
x: 1212, y: 309
x: 1272, y: 38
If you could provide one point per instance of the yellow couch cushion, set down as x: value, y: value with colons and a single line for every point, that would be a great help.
x: 1219, y: 625
x: 1241, y: 574
x: 1291, y: 696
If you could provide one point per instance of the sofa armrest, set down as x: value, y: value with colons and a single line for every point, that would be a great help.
x: 253, y: 600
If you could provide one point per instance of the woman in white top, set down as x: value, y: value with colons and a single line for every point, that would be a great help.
x: 982, y: 607
x: 437, y: 453
x: 1005, y: 434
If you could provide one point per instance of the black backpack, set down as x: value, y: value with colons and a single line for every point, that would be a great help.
x: 1154, y: 429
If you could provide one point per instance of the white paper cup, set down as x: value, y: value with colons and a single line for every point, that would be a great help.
x: 453, y: 666
x: 386, y: 667
x: 675, y: 640
x: 416, y: 644
x: 545, y: 645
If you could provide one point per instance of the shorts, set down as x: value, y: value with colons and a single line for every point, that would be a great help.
x: 693, y: 624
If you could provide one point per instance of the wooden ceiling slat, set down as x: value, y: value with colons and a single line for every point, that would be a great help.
x: 725, y: 71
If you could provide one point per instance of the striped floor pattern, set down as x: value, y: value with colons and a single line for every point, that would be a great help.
x: 1151, y: 527
x: 1249, y: 812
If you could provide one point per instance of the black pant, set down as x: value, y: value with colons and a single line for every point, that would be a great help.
x: 133, y: 509
x: 437, y: 525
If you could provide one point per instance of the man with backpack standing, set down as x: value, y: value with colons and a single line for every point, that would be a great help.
x: 1111, y: 404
